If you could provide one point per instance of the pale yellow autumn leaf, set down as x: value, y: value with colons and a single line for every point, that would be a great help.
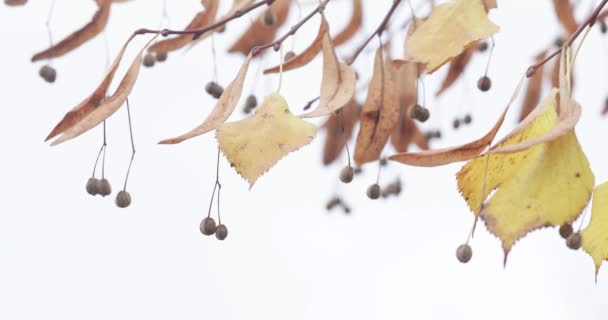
x: 255, y: 144
x: 547, y: 184
x: 595, y: 236
x: 450, y: 29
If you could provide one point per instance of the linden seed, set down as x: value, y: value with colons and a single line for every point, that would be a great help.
x: 208, y: 226
x: 383, y: 162
x: 482, y: 47
x: 574, y: 241
x: 565, y: 230
x: 250, y: 103
x: 332, y: 203
x: 558, y: 42
x: 373, y: 191
x: 456, y: 124
x: 484, y: 83
x: 415, y: 111
x: 346, y: 209
x: 358, y: 170
x: 464, y: 253
x: 424, y: 115
x: 161, y: 56
x: 437, y: 134
x: 289, y: 55
x: 123, y: 199
x: 104, y: 189
x: 603, y: 27
x: 467, y: 119
x: 48, y: 73
x: 93, y: 186
x: 221, y: 232
x: 149, y: 60
x: 269, y: 18
x: 346, y: 174
x: 214, y: 89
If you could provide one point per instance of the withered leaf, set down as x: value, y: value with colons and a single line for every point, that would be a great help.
x: 565, y: 15
x: 456, y: 69
x: 406, y: 131
x: 336, y: 139
x: 223, y: 108
x: 80, y: 36
x: 354, y: 24
x: 534, y: 90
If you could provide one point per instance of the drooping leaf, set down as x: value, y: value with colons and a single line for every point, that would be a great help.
x: 260, y: 34
x: 457, y: 66
x: 255, y: 144
x: 595, y: 237
x: 201, y: 19
x: 534, y: 90
x: 80, y: 36
x: 565, y: 15
x: 108, y: 106
x: 406, y: 131
x: 337, y: 85
x: 223, y: 108
x: 451, y: 28
x: 353, y: 26
x: 380, y: 112
x: 336, y: 138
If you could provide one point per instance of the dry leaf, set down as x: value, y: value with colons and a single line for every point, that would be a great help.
x: 450, y: 29
x: 380, y: 112
x: 307, y: 55
x: 489, y: 4
x: 223, y: 108
x: 565, y: 15
x: 337, y: 85
x: 201, y: 19
x: 108, y: 106
x: 595, y: 238
x: 534, y: 90
x: 406, y: 131
x: 457, y: 66
x: 353, y: 26
x: 260, y: 34
x: 336, y: 138
x: 89, y: 104
x: 255, y: 144
x: 80, y: 36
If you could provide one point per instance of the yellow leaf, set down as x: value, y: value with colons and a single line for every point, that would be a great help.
x: 547, y: 184
x: 255, y: 144
x: 595, y: 236
x: 450, y: 29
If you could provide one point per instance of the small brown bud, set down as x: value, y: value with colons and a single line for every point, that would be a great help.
x: 482, y: 46
x: 214, y: 89
x: 48, y: 73
x: 467, y: 119
x: 456, y: 124
x: 346, y: 174
x: 484, y: 83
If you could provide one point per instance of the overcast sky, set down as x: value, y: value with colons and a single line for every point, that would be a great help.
x: 66, y: 255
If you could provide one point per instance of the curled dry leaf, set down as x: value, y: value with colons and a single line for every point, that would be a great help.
x: 89, y: 104
x: 255, y: 144
x: 260, y: 34
x: 307, y: 55
x: 339, y: 129
x: 201, y: 19
x: 456, y: 69
x: 464, y: 152
x: 489, y: 4
x: 565, y: 15
x: 595, y: 242
x: 534, y: 89
x: 380, y: 112
x: 223, y: 108
x: 80, y: 36
x: 109, y: 105
x: 451, y: 28
x: 353, y: 26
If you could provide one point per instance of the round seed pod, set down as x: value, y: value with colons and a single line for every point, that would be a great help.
x: 48, y: 73
x: 214, y: 89
x: 464, y: 253
x: 104, y: 189
x: 332, y: 203
x: 383, y: 162
x: 346, y: 174
x: 250, y: 103
x: 347, y: 209
x: 424, y: 115
x: 123, y: 199
x: 373, y: 191
x: 574, y: 241
x: 484, y: 83
x: 558, y: 42
x: 415, y: 111
x: 565, y: 230
x: 149, y: 60
x: 437, y: 134
x: 358, y: 170
x: 467, y: 119
x: 161, y: 56
x: 221, y: 232
x: 456, y: 124
x: 208, y: 226
x: 289, y: 55
x: 93, y: 186
x: 269, y: 18
x: 482, y: 46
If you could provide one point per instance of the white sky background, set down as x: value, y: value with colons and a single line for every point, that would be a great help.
x: 66, y: 255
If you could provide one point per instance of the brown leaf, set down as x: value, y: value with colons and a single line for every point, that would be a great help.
x: 260, y: 34
x: 223, y: 108
x: 534, y: 90
x: 565, y: 15
x: 456, y: 68
x: 80, y: 36
x: 464, y: 152
x: 109, y: 105
x: 307, y: 55
x: 406, y: 131
x: 201, y: 19
x: 337, y: 85
x: 489, y: 4
x: 89, y: 104
x: 335, y: 140
x: 380, y: 112
x: 354, y: 24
